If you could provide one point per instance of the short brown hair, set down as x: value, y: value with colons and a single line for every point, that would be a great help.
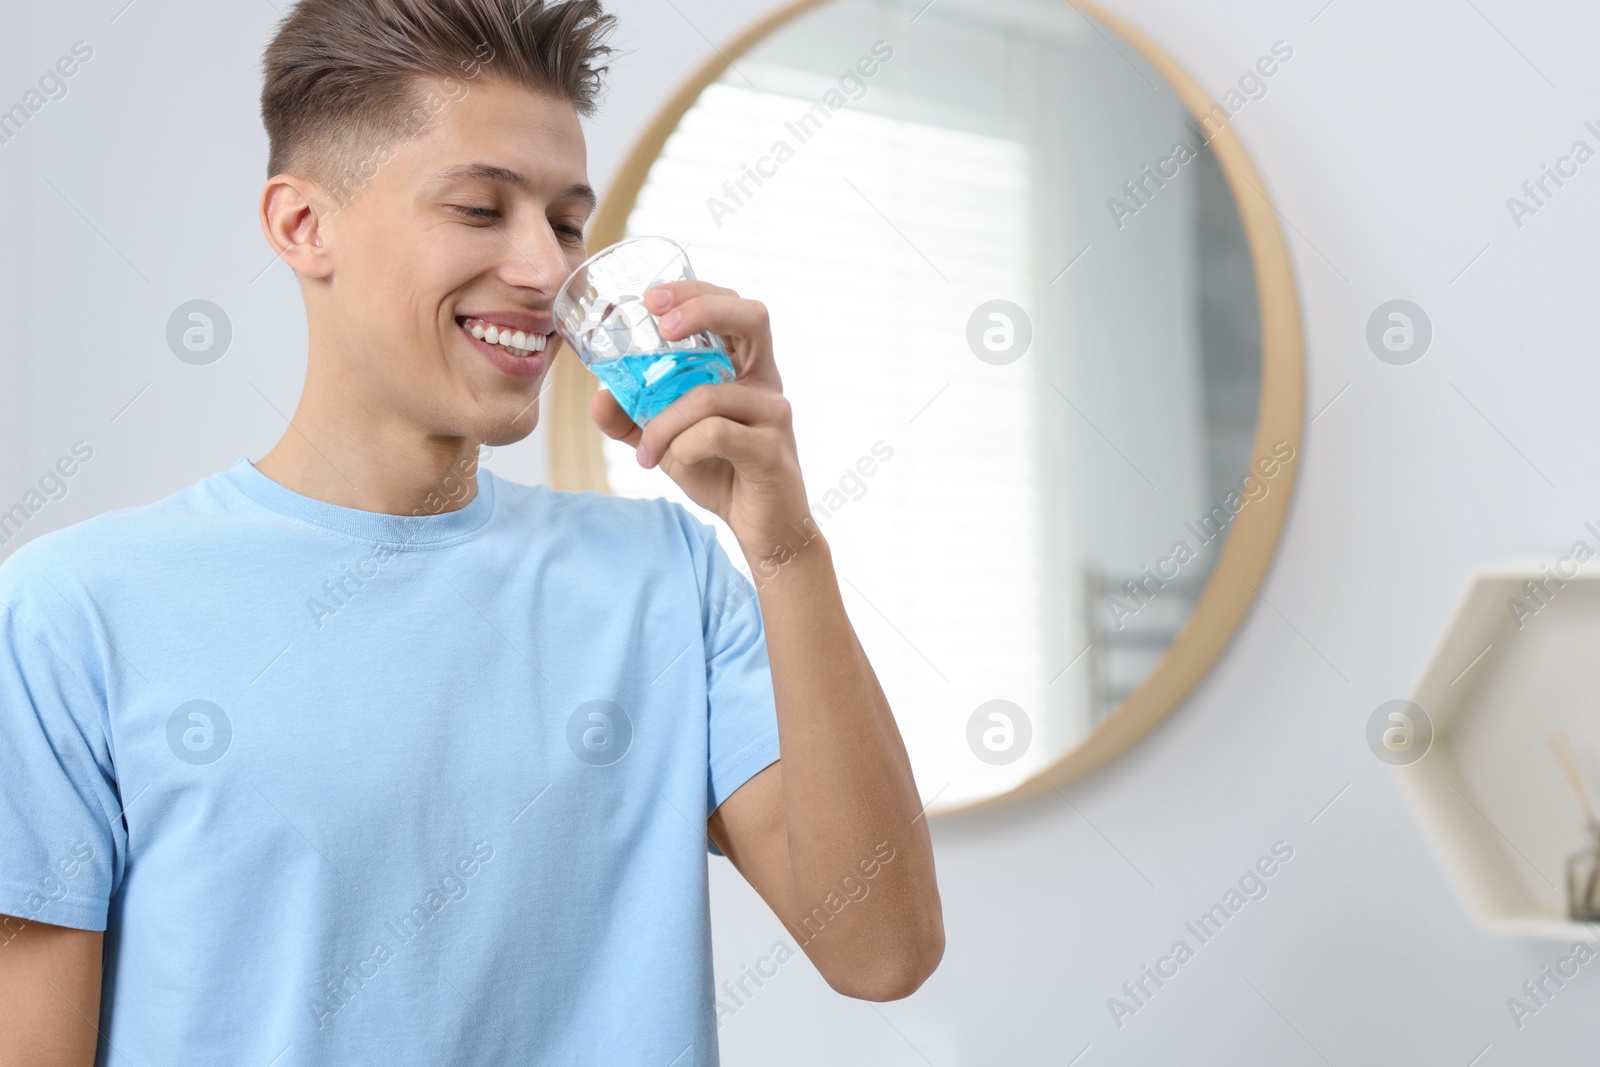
x: 341, y: 77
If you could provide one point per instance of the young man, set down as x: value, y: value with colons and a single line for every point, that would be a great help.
x: 359, y: 754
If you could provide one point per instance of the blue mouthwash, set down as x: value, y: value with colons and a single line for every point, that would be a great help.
x: 645, y: 385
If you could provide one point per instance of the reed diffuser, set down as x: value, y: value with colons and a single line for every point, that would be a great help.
x: 1583, y: 867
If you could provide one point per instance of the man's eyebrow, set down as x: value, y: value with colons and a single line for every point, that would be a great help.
x: 504, y: 176
x: 580, y: 191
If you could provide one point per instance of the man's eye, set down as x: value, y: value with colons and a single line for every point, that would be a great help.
x: 475, y: 212
x: 574, y: 232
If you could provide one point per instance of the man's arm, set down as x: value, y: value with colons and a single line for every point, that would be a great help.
x: 832, y: 837
x: 808, y: 832
x: 50, y: 986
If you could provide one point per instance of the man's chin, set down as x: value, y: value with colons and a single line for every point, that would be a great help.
x: 515, y: 425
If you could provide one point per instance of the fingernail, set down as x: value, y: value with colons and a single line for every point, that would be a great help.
x: 643, y: 456
x: 660, y: 298
x: 670, y: 320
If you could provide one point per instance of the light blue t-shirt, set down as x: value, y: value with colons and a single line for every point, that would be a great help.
x: 352, y: 788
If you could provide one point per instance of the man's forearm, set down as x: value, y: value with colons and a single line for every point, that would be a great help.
x: 847, y: 789
x: 50, y: 986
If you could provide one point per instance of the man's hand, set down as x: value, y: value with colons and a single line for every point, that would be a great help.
x: 730, y: 446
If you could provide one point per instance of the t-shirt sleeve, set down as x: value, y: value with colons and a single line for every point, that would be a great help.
x: 742, y: 715
x: 62, y: 838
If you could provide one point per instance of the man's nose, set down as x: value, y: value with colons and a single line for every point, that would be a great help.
x: 537, y: 260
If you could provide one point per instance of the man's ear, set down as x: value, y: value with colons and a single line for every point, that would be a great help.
x: 293, y: 213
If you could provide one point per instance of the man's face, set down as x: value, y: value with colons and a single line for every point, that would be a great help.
x: 476, y: 223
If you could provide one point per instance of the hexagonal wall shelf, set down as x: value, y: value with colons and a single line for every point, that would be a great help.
x: 1489, y: 793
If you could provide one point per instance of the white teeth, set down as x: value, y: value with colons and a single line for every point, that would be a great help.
x: 517, y: 342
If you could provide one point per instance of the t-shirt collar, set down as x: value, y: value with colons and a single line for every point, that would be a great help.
x: 425, y: 528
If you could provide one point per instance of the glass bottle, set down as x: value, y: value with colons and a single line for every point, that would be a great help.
x: 1583, y: 880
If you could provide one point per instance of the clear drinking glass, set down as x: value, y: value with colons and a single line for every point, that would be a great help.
x: 600, y: 313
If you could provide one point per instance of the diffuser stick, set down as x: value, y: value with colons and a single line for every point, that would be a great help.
x: 1581, y: 905
x: 1561, y: 747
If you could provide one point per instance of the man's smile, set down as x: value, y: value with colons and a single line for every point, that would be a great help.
x: 519, y: 333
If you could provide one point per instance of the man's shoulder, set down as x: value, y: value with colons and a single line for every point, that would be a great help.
x: 643, y: 538
x: 114, y: 540
x: 592, y: 513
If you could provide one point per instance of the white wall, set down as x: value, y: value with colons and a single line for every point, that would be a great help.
x: 1391, y: 142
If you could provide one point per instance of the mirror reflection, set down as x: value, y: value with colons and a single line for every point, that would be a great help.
x: 1015, y: 312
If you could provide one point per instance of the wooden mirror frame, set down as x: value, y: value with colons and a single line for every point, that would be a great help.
x: 577, y: 461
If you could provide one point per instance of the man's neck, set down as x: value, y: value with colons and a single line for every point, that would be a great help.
x: 382, y: 469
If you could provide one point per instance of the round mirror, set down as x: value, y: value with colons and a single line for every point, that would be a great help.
x: 1037, y: 324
